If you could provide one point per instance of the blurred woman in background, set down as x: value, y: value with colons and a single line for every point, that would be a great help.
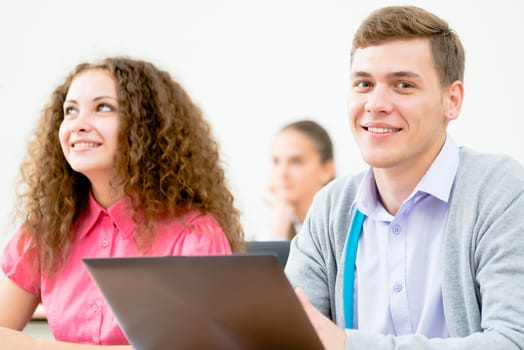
x: 302, y: 164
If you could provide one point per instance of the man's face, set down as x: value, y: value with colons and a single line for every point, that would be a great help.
x: 398, y: 110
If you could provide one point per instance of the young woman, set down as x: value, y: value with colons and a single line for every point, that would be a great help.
x: 122, y: 164
x: 302, y: 164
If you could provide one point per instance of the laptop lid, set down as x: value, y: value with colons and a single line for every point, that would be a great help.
x: 280, y: 248
x: 205, y: 302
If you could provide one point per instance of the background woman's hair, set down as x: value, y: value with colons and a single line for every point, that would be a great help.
x: 323, y: 145
x: 318, y: 134
x: 168, y: 160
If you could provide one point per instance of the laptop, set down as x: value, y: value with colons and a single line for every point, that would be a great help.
x: 239, y: 301
x: 280, y: 248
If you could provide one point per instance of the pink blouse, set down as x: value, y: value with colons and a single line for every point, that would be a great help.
x: 76, y: 311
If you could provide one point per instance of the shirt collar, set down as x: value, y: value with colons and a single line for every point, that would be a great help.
x: 366, y: 199
x: 437, y: 182
x: 120, y: 213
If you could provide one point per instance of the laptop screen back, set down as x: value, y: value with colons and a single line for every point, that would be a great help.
x: 206, y: 302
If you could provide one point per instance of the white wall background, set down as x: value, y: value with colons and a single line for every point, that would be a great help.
x: 252, y: 66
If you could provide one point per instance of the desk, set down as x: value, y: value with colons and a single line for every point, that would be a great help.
x: 38, y: 326
x: 38, y: 329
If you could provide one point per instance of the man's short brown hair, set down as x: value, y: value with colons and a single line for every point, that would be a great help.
x: 409, y: 22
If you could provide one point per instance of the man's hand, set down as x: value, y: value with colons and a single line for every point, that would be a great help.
x: 332, y: 337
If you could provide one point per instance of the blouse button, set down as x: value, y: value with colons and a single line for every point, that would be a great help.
x: 105, y: 243
x: 94, y: 307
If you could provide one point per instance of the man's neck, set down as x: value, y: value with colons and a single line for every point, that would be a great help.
x: 394, y: 189
x: 395, y: 184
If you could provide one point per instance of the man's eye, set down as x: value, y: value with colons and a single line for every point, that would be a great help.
x: 404, y: 85
x: 363, y: 84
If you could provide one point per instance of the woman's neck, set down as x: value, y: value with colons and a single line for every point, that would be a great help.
x: 107, y: 194
x: 301, y: 210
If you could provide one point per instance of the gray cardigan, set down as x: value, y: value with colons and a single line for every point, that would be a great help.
x: 482, y: 265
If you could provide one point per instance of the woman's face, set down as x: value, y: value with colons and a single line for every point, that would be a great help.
x: 89, y: 131
x: 297, y: 172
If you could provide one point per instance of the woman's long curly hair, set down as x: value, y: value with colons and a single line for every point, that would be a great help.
x: 168, y: 161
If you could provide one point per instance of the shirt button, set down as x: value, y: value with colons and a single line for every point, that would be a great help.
x: 395, y: 229
x: 105, y: 243
x: 94, y: 307
x: 397, y: 287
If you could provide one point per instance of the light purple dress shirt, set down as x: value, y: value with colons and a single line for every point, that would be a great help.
x: 398, y: 266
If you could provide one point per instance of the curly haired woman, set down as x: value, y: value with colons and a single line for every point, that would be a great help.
x: 122, y: 163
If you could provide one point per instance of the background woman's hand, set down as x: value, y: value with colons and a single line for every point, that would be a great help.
x: 281, y: 214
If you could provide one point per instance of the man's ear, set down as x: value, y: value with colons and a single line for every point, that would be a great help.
x: 455, y: 98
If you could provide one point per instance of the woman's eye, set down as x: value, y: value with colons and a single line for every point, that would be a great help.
x: 69, y: 110
x: 105, y: 108
x: 296, y: 161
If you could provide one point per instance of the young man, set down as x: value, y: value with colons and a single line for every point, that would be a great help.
x: 425, y: 249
